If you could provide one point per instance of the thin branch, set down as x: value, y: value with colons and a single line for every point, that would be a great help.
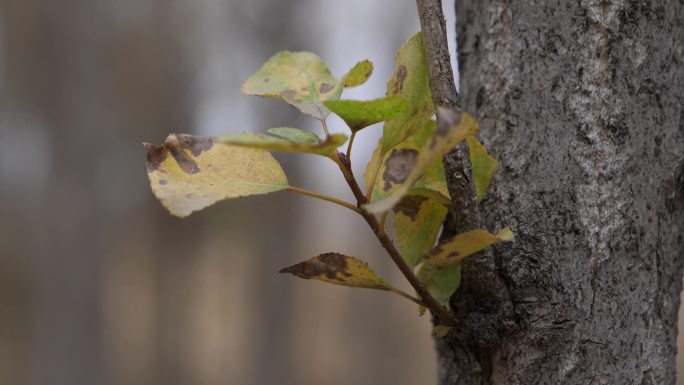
x: 465, y: 209
x: 349, y: 146
x: 433, y: 26
x: 324, y: 197
x: 386, y: 242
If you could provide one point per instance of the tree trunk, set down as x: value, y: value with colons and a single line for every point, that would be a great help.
x: 581, y: 101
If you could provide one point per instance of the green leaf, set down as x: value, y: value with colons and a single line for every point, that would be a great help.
x: 463, y: 245
x: 188, y: 173
x: 483, y: 166
x: 442, y: 283
x: 340, y: 270
x: 417, y: 221
x: 361, y: 114
x: 299, y: 78
x: 410, y: 82
x: 299, y: 141
x: 408, y: 166
x: 358, y: 74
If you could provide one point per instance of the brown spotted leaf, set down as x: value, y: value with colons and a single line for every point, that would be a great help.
x: 287, y: 140
x: 299, y: 78
x: 453, y: 128
x: 417, y: 221
x: 361, y: 114
x: 358, y: 74
x: 340, y: 270
x: 398, y: 163
x: 463, y: 245
x: 188, y: 173
x: 410, y: 82
x: 483, y: 166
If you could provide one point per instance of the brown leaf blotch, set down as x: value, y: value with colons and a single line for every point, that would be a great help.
x: 398, y: 166
x: 328, y: 265
x: 402, y: 72
x: 325, y: 88
x: 178, y: 146
x: 184, y: 160
x: 155, y: 156
x: 195, y: 144
x: 410, y: 206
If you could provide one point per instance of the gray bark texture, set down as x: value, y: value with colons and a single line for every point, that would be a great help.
x: 582, y: 103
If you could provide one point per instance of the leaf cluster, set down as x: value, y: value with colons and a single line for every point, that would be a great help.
x: 404, y: 180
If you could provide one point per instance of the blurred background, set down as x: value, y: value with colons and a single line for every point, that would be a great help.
x: 100, y: 285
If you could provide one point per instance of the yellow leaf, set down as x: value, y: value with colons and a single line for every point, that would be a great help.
x: 409, y: 166
x: 340, y: 270
x: 299, y: 78
x: 463, y: 245
x: 417, y: 221
x: 188, y: 173
x: 284, y: 142
x: 483, y: 166
x: 358, y: 74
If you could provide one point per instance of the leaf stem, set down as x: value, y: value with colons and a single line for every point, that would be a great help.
x: 369, y: 188
x: 349, y: 146
x: 407, y: 296
x: 430, y: 302
x: 325, y: 128
x: 324, y: 197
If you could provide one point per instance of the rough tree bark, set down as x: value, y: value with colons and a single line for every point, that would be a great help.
x: 581, y: 101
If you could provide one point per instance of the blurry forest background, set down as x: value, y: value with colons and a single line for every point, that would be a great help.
x: 100, y: 285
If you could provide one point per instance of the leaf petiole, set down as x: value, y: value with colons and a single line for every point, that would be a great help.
x: 407, y: 296
x: 325, y: 128
x: 324, y: 197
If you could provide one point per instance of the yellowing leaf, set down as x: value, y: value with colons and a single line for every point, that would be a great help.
x: 297, y: 142
x: 340, y: 270
x: 453, y: 128
x: 410, y: 82
x: 442, y: 283
x: 188, y: 173
x: 398, y: 163
x: 361, y: 114
x: 299, y: 78
x: 417, y: 221
x: 483, y: 166
x: 358, y: 74
x: 463, y: 245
